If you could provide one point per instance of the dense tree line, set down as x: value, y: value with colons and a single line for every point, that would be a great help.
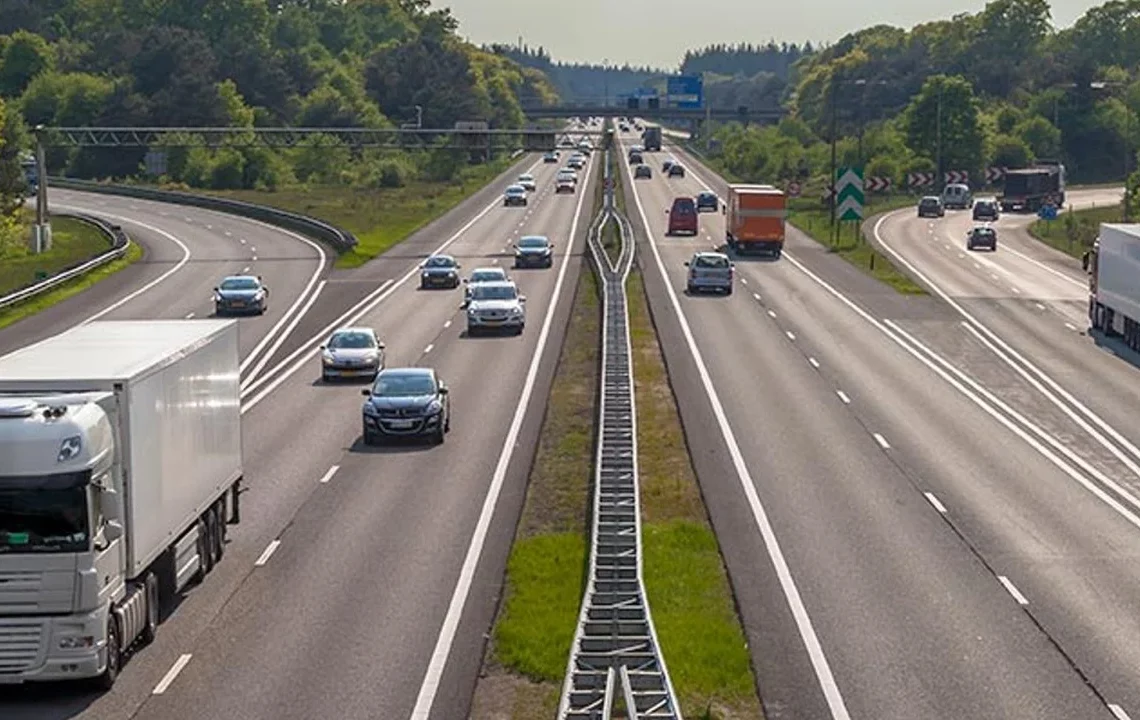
x: 745, y: 59
x: 311, y: 63
x: 1007, y: 87
x: 579, y: 83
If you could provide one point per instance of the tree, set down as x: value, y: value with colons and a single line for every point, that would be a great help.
x: 26, y: 55
x: 13, y: 142
x: 943, y: 121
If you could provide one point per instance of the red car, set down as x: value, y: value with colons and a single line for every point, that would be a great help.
x: 682, y: 216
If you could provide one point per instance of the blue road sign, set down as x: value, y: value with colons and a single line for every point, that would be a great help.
x: 685, y: 91
x: 645, y: 92
x: 1047, y: 212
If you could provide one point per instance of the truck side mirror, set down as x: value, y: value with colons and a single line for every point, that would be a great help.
x: 112, y: 530
x: 112, y: 504
x: 366, y: 393
x: 723, y: 209
x: 1085, y: 261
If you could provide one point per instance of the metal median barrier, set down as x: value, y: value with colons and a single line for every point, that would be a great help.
x: 119, y: 244
x: 341, y: 240
x: 615, y: 645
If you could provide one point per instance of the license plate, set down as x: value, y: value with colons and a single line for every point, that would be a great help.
x: 402, y: 424
x: 238, y: 303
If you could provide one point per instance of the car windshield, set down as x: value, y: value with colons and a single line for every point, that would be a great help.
x: 514, y: 189
x: 930, y: 201
x: 711, y: 262
x: 351, y: 341
x: 494, y: 292
x: 240, y: 283
x: 439, y: 262
x: 532, y: 242
x: 983, y: 231
x: 46, y: 514
x: 683, y: 207
x: 487, y: 275
x: 526, y: 178
x: 707, y: 197
x: 401, y: 385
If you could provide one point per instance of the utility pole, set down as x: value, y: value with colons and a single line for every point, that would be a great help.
x: 831, y: 177
x: 939, y: 182
x: 41, y: 234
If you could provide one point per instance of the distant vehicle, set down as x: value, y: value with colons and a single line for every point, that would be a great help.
x: 676, y: 170
x: 238, y: 294
x: 526, y: 180
x: 756, y: 219
x: 682, y: 217
x: 986, y: 209
x: 439, y: 271
x: 642, y: 172
x: 482, y: 275
x: 514, y: 195
x: 496, y: 306
x: 652, y: 137
x: 981, y: 236
x: 576, y: 162
x: 550, y: 157
x: 958, y: 196
x: 636, y: 149
x: 565, y: 184
x: 636, y: 159
x: 585, y: 147
x: 710, y: 271
x: 406, y: 402
x: 708, y: 201
x: 668, y: 163
x: 1113, y: 265
x: 931, y: 206
x: 534, y: 251
x: 1030, y: 188
x: 352, y: 352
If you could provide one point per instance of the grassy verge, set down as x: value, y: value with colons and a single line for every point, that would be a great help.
x: 73, y: 241
x: 1074, y: 232
x: 380, y: 218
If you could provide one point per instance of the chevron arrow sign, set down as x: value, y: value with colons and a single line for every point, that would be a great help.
x: 849, y: 193
x: 877, y: 184
x: 919, y: 179
x: 957, y: 177
x: 993, y: 174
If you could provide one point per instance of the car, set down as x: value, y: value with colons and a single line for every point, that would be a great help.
x: 636, y: 159
x: 482, y: 275
x: 708, y: 201
x: 240, y: 294
x: 564, y: 184
x: 352, y: 352
x: 981, y: 236
x: 636, y: 149
x: 569, y: 174
x: 576, y: 162
x: 439, y: 271
x: 682, y: 216
x: 514, y: 195
x: 534, y: 251
x: 496, y: 306
x: 931, y: 206
x: 642, y: 172
x: 550, y: 157
x: 710, y: 271
x: 987, y: 209
x: 676, y: 170
x: 526, y: 180
x: 406, y: 403
x: 957, y: 195
x: 585, y: 147
x: 668, y: 163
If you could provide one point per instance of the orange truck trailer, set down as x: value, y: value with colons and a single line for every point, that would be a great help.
x: 754, y: 219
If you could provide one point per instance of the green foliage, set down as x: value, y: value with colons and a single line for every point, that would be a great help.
x: 944, y: 118
x: 12, y: 184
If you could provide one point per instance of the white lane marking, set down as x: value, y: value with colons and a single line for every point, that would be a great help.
x: 1067, y: 278
x: 744, y: 280
x: 772, y: 313
x: 447, y: 324
x: 756, y: 296
x: 882, y: 442
x: 961, y: 255
x: 439, y: 655
x: 933, y: 500
x: 977, y: 266
x: 209, y: 227
x: 1039, y: 306
x: 329, y: 475
x: 245, y: 269
x: 429, y: 348
x: 1118, y: 712
x: 1071, y: 326
x: 241, y: 240
x: 995, y: 277
x: 284, y: 335
x: 814, y: 362
x: 791, y: 335
x: 133, y: 207
x: 229, y: 234
x: 189, y: 315
x: 188, y: 219
x: 252, y: 249
x: 1015, y: 290
x: 254, y: 258
x: 267, y: 553
x: 494, y: 261
x: 1012, y: 590
x: 172, y: 674
x: 819, y: 661
x: 843, y: 396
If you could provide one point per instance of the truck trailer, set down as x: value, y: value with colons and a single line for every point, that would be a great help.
x: 756, y: 218
x: 120, y: 468
x: 1030, y: 188
x: 1113, y: 266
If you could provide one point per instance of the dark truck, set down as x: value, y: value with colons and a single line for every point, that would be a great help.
x: 1030, y: 188
x: 651, y: 138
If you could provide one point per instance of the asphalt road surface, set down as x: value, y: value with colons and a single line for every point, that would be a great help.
x: 361, y: 580
x: 881, y: 527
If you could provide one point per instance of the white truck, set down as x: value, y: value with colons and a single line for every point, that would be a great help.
x: 1113, y: 266
x: 120, y: 467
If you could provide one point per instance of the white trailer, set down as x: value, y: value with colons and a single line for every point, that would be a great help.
x: 120, y: 468
x: 1114, y: 282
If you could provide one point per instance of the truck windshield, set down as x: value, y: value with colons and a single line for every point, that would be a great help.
x: 47, y: 515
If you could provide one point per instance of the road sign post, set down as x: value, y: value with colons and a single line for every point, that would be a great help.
x: 849, y: 196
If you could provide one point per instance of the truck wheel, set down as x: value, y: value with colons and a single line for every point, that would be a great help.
x: 150, y: 630
x: 205, y: 557
x: 114, y: 656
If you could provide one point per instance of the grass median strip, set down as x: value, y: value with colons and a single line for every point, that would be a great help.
x: 1074, y: 232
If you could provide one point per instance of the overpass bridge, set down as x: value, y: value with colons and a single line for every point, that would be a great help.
x: 763, y: 116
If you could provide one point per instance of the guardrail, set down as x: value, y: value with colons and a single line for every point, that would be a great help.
x: 615, y: 642
x: 339, y: 239
x: 119, y: 244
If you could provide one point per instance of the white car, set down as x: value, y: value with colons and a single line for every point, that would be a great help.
x: 352, y: 352
x: 568, y: 175
x: 483, y: 275
x: 496, y: 306
x: 527, y: 182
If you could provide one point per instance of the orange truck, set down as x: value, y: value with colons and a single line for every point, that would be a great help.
x: 754, y: 219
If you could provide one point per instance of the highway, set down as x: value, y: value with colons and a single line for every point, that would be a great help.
x: 361, y: 580
x: 894, y: 537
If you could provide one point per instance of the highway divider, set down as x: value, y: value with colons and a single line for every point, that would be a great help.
x: 341, y: 240
x: 119, y: 240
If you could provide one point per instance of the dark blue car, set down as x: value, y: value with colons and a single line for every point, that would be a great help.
x: 406, y: 403
x: 241, y: 294
x: 708, y: 201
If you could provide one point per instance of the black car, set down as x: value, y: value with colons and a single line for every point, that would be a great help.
x: 983, y: 236
x: 986, y: 210
x: 708, y: 201
x: 931, y: 206
x: 241, y: 294
x: 642, y: 171
x: 406, y: 402
x: 676, y: 170
x: 440, y: 271
x: 550, y: 157
x: 667, y: 164
x: 534, y: 251
x: 635, y: 158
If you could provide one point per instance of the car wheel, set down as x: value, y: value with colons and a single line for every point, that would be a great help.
x: 471, y: 332
x: 728, y: 290
x: 369, y: 438
x: 691, y: 290
x: 437, y: 437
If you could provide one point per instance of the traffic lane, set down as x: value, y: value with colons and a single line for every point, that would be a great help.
x: 411, y: 510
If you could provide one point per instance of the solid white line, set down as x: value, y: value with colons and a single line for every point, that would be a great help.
x: 329, y: 475
x: 438, y: 662
x: 1012, y: 590
x: 284, y: 335
x: 428, y: 348
x: 1118, y: 712
x: 1046, y: 268
x: 882, y: 441
x: 814, y: 362
x: 791, y: 335
x: 819, y: 661
x: 189, y: 315
x: 171, y: 674
x: 843, y: 396
x: 930, y: 497
x: 267, y: 553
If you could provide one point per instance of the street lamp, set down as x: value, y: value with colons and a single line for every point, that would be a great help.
x: 419, y: 117
x: 834, y: 130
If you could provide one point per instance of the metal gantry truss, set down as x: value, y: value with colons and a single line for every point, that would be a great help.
x: 616, y: 645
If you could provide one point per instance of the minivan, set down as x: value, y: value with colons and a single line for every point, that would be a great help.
x: 682, y: 216
x: 957, y: 195
x: 986, y: 209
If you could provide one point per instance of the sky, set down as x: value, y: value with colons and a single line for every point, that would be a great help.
x: 657, y: 32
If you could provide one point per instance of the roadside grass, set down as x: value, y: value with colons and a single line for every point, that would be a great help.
x: 1074, y: 232
x: 73, y: 242
x: 380, y: 218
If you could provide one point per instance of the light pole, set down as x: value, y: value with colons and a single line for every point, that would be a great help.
x: 419, y: 117
x: 940, y: 181
x: 1128, y: 151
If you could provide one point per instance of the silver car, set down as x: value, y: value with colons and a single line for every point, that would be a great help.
x: 527, y: 181
x: 483, y: 275
x: 710, y: 271
x: 496, y: 306
x: 352, y: 352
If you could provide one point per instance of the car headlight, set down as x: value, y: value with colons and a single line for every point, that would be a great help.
x: 516, y: 311
x: 433, y: 407
x: 369, y: 408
